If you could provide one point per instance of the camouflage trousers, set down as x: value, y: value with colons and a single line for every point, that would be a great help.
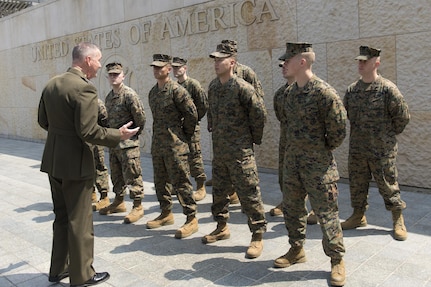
x: 126, y: 172
x: 242, y: 174
x: 171, y: 171
x: 281, y: 148
x: 324, y: 201
x: 195, y: 159
x: 102, y: 175
x: 384, y: 171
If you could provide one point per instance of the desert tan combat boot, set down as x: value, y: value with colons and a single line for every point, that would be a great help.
x: 200, y: 192
x: 190, y: 227
x: 102, y: 203
x: 276, y: 211
x: 400, y: 230
x: 256, y: 246
x: 220, y: 233
x: 293, y: 256
x: 233, y: 198
x: 165, y: 218
x: 117, y: 206
x: 357, y: 219
x: 338, y: 272
x: 136, y: 213
x: 312, y: 218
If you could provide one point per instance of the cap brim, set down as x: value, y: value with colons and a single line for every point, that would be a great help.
x: 362, y: 57
x: 177, y: 65
x: 219, y: 55
x: 158, y: 64
x: 114, y: 71
x: 286, y: 56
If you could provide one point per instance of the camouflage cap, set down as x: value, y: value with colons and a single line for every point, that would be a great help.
x: 293, y: 49
x: 226, y: 49
x: 366, y: 53
x: 160, y: 60
x: 232, y: 43
x: 114, y: 68
x: 178, y: 62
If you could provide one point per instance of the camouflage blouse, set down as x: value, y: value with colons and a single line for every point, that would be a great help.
x: 174, y: 116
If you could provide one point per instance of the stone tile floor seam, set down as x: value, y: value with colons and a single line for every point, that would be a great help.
x: 136, y: 256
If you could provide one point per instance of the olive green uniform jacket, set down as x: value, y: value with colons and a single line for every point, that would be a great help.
x: 68, y: 110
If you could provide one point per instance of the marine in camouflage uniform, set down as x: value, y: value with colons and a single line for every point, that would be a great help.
x: 377, y: 112
x: 315, y: 126
x: 174, y: 121
x: 278, y: 109
x: 102, y: 175
x: 244, y: 72
x: 278, y: 106
x: 200, y: 100
x: 236, y: 118
x: 278, y: 102
x: 123, y: 105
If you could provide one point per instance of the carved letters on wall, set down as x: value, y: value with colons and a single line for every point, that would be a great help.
x: 172, y: 25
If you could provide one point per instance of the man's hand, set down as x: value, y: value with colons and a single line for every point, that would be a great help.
x: 127, y: 133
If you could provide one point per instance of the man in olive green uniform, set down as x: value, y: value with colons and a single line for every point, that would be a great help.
x: 102, y: 175
x: 200, y: 100
x: 174, y: 122
x: 377, y: 112
x: 246, y: 73
x: 236, y: 118
x: 315, y: 126
x: 68, y: 111
x: 123, y: 105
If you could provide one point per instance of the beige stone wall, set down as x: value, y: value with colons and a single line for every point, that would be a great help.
x: 37, y: 42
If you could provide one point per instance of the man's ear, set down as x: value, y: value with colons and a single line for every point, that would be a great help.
x: 377, y: 63
x: 87, y: 60
x: 303, y: 61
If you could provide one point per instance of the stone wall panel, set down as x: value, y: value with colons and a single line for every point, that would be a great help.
x: 327, y: 21
x: 278, y: 30
x: 414, y: 154
x: 413, y: 69
x: 378, y: 18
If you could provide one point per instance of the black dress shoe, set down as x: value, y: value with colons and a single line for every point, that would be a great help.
x: 96, y: 279
x: 59, y: 277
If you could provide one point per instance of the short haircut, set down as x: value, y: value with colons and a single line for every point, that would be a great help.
x: 82, y: 50
x: 310, y: 57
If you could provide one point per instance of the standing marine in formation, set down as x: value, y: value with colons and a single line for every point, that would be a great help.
x: 278, y: 108
x: 236, y: 118
x: 174, y: 122
x: 101, y: 181
x: 200, y: 100
x: 315, y: 126
x: 123, y: 105
x: 377, y: 112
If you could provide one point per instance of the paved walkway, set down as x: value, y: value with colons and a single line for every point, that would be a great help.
x: 136, y: 256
